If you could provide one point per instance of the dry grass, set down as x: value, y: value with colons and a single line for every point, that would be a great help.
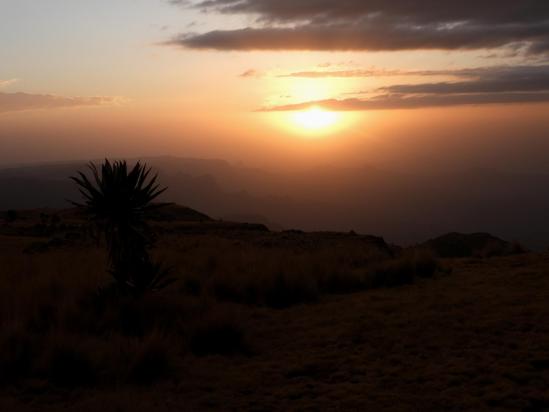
x: 256, y: 272
x: 473, y: 341
x: 64, y: 327
x: 62, y: 321
x: 476, y: 340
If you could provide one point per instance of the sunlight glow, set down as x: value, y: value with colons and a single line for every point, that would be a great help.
x: 315, y: 118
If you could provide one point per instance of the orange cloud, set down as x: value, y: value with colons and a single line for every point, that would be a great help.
x: 10, y: 102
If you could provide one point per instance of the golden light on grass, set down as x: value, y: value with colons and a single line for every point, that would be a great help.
x: 315, y: 118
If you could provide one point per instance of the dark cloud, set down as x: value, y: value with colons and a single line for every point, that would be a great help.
x: 540, y: 47
x: 342, y: 73
x: 10, y: 102
x: 424, y: 11
x: 392, y: 102
x: 370, y: 37
x: 489, y: 80
x: 377, y: 25
x: 369, y: 73
x: 494, y: 73
x: 489, y: 85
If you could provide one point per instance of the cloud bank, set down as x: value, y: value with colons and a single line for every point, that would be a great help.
x: 344, y: 73
x: 11, y: 102
x: 376, y: 25
x: 490, y: 85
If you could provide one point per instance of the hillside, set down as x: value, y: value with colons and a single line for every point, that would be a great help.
x: 406, y: 208
x: 472, y: 340
x: 261, y: 320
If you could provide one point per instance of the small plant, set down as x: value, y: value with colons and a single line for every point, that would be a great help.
x: 117, y: 200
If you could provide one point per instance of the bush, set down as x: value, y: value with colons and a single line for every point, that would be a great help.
x: 112, y: 310
x: 287, y: 290
x: 219, y: 333
x: 424, y: 262
x: 404, y: 270
x: 278, y: 289
x: 280, y: 279
x: 341, y: 281
x: 392, y: 273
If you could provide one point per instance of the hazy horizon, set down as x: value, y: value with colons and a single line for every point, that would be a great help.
x: 376, y: 116
x: 396, y: 87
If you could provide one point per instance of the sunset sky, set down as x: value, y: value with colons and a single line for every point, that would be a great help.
x: 277, y: 83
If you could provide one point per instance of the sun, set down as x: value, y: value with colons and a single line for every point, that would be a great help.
x: 315, y: 118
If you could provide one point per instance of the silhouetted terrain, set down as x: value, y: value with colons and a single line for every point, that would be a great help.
x: 261, y: 320
x: 407, y: 209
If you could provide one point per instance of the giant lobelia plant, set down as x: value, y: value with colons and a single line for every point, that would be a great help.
x: 117, y: 199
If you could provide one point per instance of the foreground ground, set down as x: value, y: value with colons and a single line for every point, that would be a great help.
x: 473, y: 339
x: 266, y: 321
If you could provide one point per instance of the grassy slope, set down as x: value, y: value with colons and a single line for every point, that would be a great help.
x: 473, y: 339
x: 477, y: 339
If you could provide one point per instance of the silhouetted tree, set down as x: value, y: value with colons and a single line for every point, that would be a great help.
x: 116, y: 200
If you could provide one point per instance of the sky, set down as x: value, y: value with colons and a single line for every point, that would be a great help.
x: 415, y: 86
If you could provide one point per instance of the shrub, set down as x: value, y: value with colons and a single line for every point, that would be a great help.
x: 404, y: 269
x: 343, y: 280
x: 219, y: 333
x: 392, y: 273
x: 289, y: 289
x: 278, y: 289
x: 117, y: 200
x: 424, y: 262
x: 110, y: 310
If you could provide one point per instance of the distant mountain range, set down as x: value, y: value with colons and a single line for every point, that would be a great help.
x: 403, y: 208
